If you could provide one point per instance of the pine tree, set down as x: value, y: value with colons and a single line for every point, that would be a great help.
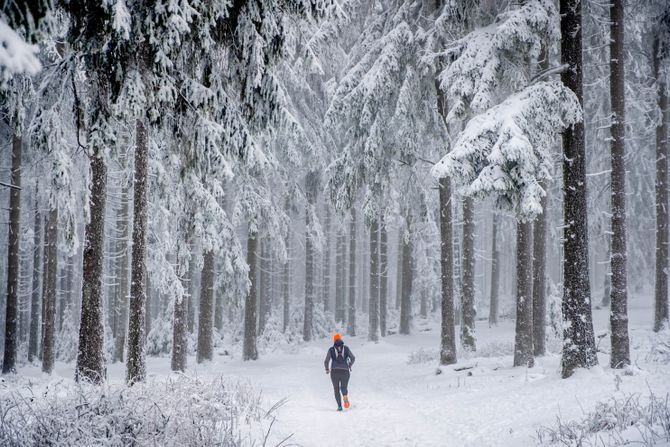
x: 495, y: 271
x: 205, y: 319
x: 448, y: 328
x: 523, y: 339
x: 351, y: 319
x: 35, y: 312
x: 407, y: 279
x: 383, y: 276
x: 250, y: 352
x: 539, y: 278
x: 373, y: 309
x: 468, y: 309
x: 49, y: 328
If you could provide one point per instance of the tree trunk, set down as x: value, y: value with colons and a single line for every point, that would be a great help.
x: 539, y: 278
x: 91, y: 356
x: 373, y: 309
x: 339, y: 279
x: 310, y: 191
x: 136, y: 364
x: 383, y: 276
x: 148, y: 308
x: 45, y: 281
x: 407, y: 278
x: 398, y: 279
x: 579, y: 343
x: 468, y: 290
x: 523, y: 336
x: 190, y: 299
x: 250, y: 350
x: 351, y: 321
x: 448, y: 328
x: 219, y: 301
x: 661, y: 318
x: 122, y: 291
x: 48, y: 353
x: 286, y: 285
x: 180, y: 331
x: 495, y: 271
x: 36, y: 295
x: 326, y: 262
x: 206, y: 305
x: 9, y: 361
x: 620, y: 356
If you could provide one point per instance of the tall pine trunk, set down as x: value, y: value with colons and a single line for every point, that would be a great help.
x: 495, y: 272
x: 180, y: 330
x: 326, y: 262
x: 205, y: 320
x: 539, y: 278
x: 48, y: 350
x: 36, y: 294
x: 45, y: 275
x: 448, y: 327
x: 620, y: 356
x: 578, y: 340
x: 469, y: 312
x: 351, y: 320
x: 91, y: 356
x: 13, y: 253
x: 398, y: 278
x: 310, y: 192
x: 286, y: 284
x: 383, y: 276
x: 136, y: 364
x: 407, y: 278
x: 340, y: 295
x: 250, y: 352
x: 373, y: 309
x: 523, y: 338
x: 661, y: 294
x: 122, y: 280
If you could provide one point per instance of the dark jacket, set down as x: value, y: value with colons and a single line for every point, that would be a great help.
x: 340, y: 355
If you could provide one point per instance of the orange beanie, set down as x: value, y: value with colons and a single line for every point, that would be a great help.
x: 336, y: 337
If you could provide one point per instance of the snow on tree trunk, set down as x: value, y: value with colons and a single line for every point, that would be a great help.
x: 148, y: 308
x: 398, y: 279
x: 448, y: 328
x: 326, y: 262
x: 468, y: 310
x: 373, y: 303
x: 9, y: 360
x: 45, y: 274
x: 310, y: 192
x: 578, y: 340
x: 661, y: 294
x: 495, y: 271
x: 49, y: 351
x: 264, y: 301
x: 136, y: 364
x: 219, y: 301
x: 286, y: 285
x: 340, y: 293
x: 250, y: 352
x: 36, y: 294
x: 351, y: 320
x: 539, y: 278
x: 91, y: 356
x: 523, y: 336
x: 620, y: 356
x: 206, y: 305
x: 180, y: 332
x: 122, y: 291
x: 383, y: 276
x: 407, y: 278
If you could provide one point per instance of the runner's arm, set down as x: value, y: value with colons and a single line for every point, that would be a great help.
x: 352, y: 358
x: 327, y: 361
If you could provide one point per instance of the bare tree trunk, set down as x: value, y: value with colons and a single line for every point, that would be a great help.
x: 398, y: 279
x: 36, y: 295
x: 620, y: 356
x: 661, y: 318
x: 91, y: 356
x: 48, y: 353
x: 468, y: 310
x: 579, y: 342
x: 286, y: 286
x: 149, y: 309
x: 340, y: 293
x: 383, y: 276
x: 539, y: 278
x: 373, y: 309
x: 407, y: 279
x: 250, y: 352
x: 180, y: 331
x: 45, y: 281
x: 351, y: 321
x: 9, y: 361
x: 310, y: 191
x: 264, y: 279
x: 495, y: 271
x: 206, y: 304
x: 326, y: 262
x: 448, y: 327
x: 219, y: 301
x: 122, y: 291
x: 190, y: 299
x: 136, y: 364
x: 523, y: 339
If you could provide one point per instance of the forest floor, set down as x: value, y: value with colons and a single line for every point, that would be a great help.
x: 399, y: 400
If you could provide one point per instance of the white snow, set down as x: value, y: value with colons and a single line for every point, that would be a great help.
x: 395, y: 403
x: 16, y: 56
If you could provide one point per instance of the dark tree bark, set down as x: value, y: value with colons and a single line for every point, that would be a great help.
x: 122, y: 290
x: 373, y: 309
x: 48, y: 352
x: 219, y: 301
x: 351, y: 320
x: 149, y: 309
x: 311, y: 181
x: 180, y: 331
x: 45, y: 275
x: 383, y: 276
x: 468, y: 310
x: 91, y: 357
x: 448, y: 328
x: 286, y: 285
x: 579, y: 343
x: 264, y: 286
x: 9, y: 360
x: 661, y: 317
x: 407, y: 279
x: 206, y: 306
x: 35, y: 313
x: 620, y: 356
x: 326, y: 262
x: 340, y: 293
x: 250, y: 352
x: 539, y: 278
x: 190, y: 299
x: 495, y: 272
x: 136, y: 364
x: 523, y: 339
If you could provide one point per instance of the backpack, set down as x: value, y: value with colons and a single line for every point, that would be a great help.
x: 335, y: 353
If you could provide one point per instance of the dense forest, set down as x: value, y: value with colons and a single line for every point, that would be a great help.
x: 180, y: 179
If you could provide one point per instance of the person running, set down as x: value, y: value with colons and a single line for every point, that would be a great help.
x: 342, y: 360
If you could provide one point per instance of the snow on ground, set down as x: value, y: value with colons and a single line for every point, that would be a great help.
x: 395, y: 403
